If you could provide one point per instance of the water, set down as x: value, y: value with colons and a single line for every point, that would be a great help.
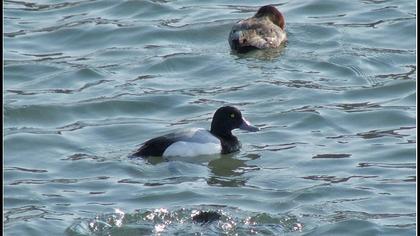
x: 86, y: 82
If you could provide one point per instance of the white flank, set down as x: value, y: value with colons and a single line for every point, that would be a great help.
x: 194, y: 142
x: 189, y: 149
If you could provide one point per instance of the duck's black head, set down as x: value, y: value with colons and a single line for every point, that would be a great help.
x: 228, y: 118
x: 275, y: 15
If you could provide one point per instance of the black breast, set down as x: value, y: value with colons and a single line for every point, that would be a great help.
x: 230, y: 144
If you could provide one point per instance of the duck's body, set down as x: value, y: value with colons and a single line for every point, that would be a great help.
x: 195, y: 142
x: 266, y: 29
x: 192, y: 142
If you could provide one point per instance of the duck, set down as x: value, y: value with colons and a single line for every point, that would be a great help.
x: 198, y: 141
x: 266, y: 29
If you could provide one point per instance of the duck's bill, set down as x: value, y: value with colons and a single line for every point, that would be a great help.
x: 246, y: 125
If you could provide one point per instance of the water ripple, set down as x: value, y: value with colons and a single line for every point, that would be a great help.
x: 30, y: 6
x: 65, y: 91
x: 181, y: 221
x: 25, y: 169
x: 335, y: 179
x: 87, y: 81
x: 377, y: 134
x: 388, y: 165
x: 31, y: 212
x: 60, y: 181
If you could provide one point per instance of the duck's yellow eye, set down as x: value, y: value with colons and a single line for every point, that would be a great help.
x: 232, y: 115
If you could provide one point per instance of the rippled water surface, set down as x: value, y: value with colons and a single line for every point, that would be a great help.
x: 87, y: 81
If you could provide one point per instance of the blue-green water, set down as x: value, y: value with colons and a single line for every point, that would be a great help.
x: 86, y: 82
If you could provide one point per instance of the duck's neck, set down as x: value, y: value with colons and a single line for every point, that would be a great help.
x: 229, y: 142
x: 220, y: 130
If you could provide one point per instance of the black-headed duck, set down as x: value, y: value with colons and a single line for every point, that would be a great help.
x: 194, y: 142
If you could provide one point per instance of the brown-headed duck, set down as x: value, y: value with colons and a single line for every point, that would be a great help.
x: 266, y: 29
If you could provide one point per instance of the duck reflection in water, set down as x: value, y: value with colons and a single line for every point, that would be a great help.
x: 229, y: 170
x: 225, y: 170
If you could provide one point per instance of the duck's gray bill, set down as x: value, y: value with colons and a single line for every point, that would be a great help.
x: 246, y: 125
